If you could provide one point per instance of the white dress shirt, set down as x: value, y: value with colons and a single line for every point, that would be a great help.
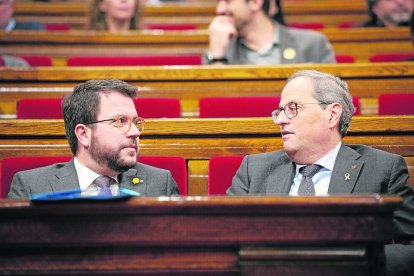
x: 86, y: 177
x: 322, y: 178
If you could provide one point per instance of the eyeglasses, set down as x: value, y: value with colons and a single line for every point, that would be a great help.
x: 124, y: 123
x: 290, y: 110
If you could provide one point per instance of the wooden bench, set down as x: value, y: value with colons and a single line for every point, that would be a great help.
x: 189, y: 84
x: 199, y: 139
x: 200, y: 13
x: 361, y: 43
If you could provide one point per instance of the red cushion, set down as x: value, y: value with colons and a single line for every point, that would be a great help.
x: 345, y: 59
x: 11, y: 165
x: 346, y: 25
x: 172, y: 27
x: 38, y: 60
x: 57, y: 27
x: 396, y: 104
x: 39, y: 109
x: 307, y: 25
x: 221, y: 170
x: 176, y: 165
x: 158, y: 107
x: 355, y: 101
x: 1, y: 61
x: 134, y: 60
x: 394, y: 57
x: 223, y: 107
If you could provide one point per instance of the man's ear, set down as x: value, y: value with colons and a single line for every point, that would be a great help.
x: 256, y: 5
x: 335, y: 112
x: 84, y: 135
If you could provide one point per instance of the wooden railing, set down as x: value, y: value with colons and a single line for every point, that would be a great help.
x: 199, y: 13
x: 190, y: 83
x: 199, y: 139
x: 198, y: 236
x: 361, y: 43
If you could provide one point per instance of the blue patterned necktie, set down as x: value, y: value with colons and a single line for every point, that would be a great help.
x: 103, y: 183
x: 306, y: 186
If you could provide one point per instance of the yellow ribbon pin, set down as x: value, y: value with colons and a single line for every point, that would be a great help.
x: 135, y: 180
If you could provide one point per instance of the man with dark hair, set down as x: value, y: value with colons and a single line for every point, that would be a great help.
x: 103, y: 130
x: 314, y: 114
x: 388, y: 13
x: 243, y: 32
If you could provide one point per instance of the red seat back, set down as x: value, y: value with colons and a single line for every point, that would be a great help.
x: 221, y: 170
x: 307, y: 25
x: 134, y: 60
x: 172, y: 27
x: 38, y: 60
x: 345, y: 59
x: 393, y: 57
x: 355, y: 101
x: 223, y: 107
x: 39, y: 109
x: 176, y: 165
x: 158, y: 107
x: 11, y: 165
x: 396, y: 104
x: 57, y: 27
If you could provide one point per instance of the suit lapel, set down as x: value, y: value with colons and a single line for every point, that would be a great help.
x: 288, y: 49
x: 346, y: 171
x: 134, y: 180
x: 282, y: 174
x: 65, y: 178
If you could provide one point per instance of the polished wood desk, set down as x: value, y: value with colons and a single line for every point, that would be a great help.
x: 198, y: 140
x: 198, y: 236
x: 190, y: 83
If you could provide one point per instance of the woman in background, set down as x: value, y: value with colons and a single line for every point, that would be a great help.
x: 115, y: 15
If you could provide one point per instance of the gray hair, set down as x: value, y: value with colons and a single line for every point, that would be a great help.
x: 330, y: 89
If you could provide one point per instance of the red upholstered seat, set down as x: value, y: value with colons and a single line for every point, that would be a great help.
x: 345, y: 59
x: 172, y: 27
x: 38, y: 60
x: 392, y: 57
x: 176, y: 165
x: 396, y: 104
x: 158, y: 107
x: 307, y: 25
x: 221, y: 170
x: 355, y: 101
x: 57, y: 27
x: 11, y: 165
x: 39, y: 109
x: 223, y: 107
x: 346, y: 25
x: 134, y: 60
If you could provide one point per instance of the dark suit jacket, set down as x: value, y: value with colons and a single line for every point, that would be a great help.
x: 371, y: 171
x: 63, y: 176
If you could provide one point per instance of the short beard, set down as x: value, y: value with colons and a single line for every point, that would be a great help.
x: 108, y: 159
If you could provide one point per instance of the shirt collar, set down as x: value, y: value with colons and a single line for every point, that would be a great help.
x: 85, y: 175
x: 11, y: 25
x: 276, y: 39
x: 327, y: 161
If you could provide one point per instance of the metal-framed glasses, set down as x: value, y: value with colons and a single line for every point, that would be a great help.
x: 290, y: 110
x: 123, y: 123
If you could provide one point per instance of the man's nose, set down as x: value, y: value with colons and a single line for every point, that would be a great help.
x: 221, y: 8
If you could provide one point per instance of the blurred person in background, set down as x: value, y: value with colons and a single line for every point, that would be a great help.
x: 8, y: 23
x: 115, y: 16
x: 388, y: 13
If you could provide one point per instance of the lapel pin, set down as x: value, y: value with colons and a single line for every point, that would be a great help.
x: 347, y: 177
x: 353, y: 167
x: 289, y: 53
x: 136, y: 180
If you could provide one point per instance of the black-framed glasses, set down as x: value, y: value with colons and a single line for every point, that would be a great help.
x: 124, y: 123
x: 290, y: 110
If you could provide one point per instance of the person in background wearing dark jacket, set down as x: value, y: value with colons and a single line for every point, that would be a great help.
x: 388, y: 13
x: 8, y: 23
